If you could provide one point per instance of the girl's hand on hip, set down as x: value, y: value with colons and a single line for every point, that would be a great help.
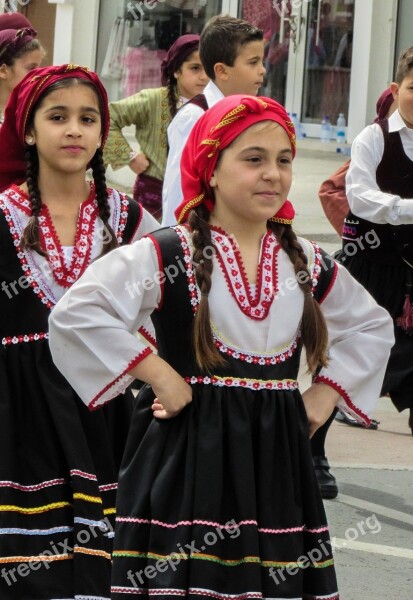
x: 171, y: 398
x: 139, y: 163
x: 171, y: 390
x: 319, y: 401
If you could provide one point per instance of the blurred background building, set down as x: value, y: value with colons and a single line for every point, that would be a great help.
x: 323, y: 57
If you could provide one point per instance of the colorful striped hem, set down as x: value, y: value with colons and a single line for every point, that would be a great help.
x: 210, y: 594
x: 34, y: 510
x: 31, y: 488
x: 51, y: 531
x: 193, y: 591
x: 223, y: 562
x: 227, y: 526
x: 39, y: 558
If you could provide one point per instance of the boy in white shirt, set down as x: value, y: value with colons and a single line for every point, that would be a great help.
x: 232, y: 53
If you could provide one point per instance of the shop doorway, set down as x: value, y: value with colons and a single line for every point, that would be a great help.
x: 308, y: 55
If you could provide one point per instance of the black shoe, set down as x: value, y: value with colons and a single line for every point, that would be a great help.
x: 326, y: 481
x: 343, y: 417
x: 411, y: 420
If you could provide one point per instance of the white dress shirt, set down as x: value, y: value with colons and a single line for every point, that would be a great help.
x: 178, y: 133
x: 365, y: 198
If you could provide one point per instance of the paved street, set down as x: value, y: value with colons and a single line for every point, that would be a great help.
x: 371, y: 520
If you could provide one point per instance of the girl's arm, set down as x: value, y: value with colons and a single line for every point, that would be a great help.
x: 171, y: 390
x: 93, y: 327
x: 133, y: 110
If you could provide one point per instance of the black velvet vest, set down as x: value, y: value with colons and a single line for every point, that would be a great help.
x: 391, y: 243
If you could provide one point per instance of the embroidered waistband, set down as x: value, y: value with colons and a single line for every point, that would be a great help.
x: 251, y: 384
x: 20, y: 339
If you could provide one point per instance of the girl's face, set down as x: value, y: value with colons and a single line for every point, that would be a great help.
x: 191, y: 77
x: 18, y: 70
x: 253, y: 177
x: 67, y: 129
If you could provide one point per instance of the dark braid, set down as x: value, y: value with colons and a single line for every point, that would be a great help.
x: 30, y: 237
x: 207, y: 355
x: 313, y: 327
x: 99, y: 176
x: 172, y: 95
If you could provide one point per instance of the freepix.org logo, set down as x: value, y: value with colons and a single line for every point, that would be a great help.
x: 281, y: 6
x: 11, y: 6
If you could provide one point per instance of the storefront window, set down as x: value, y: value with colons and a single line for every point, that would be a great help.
x: 135, y: 35
x: 328, y: 59
x: 268, y: 16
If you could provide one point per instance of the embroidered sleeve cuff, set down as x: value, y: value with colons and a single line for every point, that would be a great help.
x: 119, y: 385
x: 345, y: 404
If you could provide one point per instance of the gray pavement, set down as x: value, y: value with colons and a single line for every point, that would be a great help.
x: 371, y: 520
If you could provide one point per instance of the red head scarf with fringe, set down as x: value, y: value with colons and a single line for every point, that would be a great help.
x: 19, y: 109
x: 212, y: 133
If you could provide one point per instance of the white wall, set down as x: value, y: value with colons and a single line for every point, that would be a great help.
x: 373, y: 59
x: 76, y: 32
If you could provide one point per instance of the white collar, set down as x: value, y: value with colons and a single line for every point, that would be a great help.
x: 212, y: 93
x: 396, y: 123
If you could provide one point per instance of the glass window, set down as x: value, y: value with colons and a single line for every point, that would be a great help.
x: 328, y: 60
x: 135, y: 35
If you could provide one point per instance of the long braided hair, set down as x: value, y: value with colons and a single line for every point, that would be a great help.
x: 313, y: 327
x: 31, y: 234
x: 172, y: 87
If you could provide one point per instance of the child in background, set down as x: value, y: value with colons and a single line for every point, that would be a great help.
x: 58, y: 483
x: 219, y: 499
x: 379, y: 187
x: 232, y: 52
x: 151, y: 111
x: 20, y: 52
x: 332, y: 192
x: 333, y: 199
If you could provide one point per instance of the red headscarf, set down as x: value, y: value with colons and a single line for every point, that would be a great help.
x: 177, y: 53
x: 14, y: 21
x: 12, y: 41
x: 18, y: 110
x: 213, y: 132
x: 383, y: 105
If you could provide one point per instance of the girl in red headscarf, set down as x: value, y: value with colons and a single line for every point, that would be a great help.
x: 218, y: 495
x: 59, y: 478
x: 20, y: 52
x: 151, y: 111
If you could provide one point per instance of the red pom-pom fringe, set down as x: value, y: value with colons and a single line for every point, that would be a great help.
x: 406, y: 319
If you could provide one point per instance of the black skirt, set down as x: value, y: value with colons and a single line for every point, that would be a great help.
x: 222, y: 501
x: 387, y: 285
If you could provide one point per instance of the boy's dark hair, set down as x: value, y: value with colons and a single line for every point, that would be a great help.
x: 404, y: 64
x: 221, y: 39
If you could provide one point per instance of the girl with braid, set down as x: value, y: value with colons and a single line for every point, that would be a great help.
x: 151, y: 111
x: 20, y: 52
x: 218, y: 496
x: 58, y: 476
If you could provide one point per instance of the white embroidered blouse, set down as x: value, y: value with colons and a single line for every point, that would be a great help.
x: 91, y: 328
